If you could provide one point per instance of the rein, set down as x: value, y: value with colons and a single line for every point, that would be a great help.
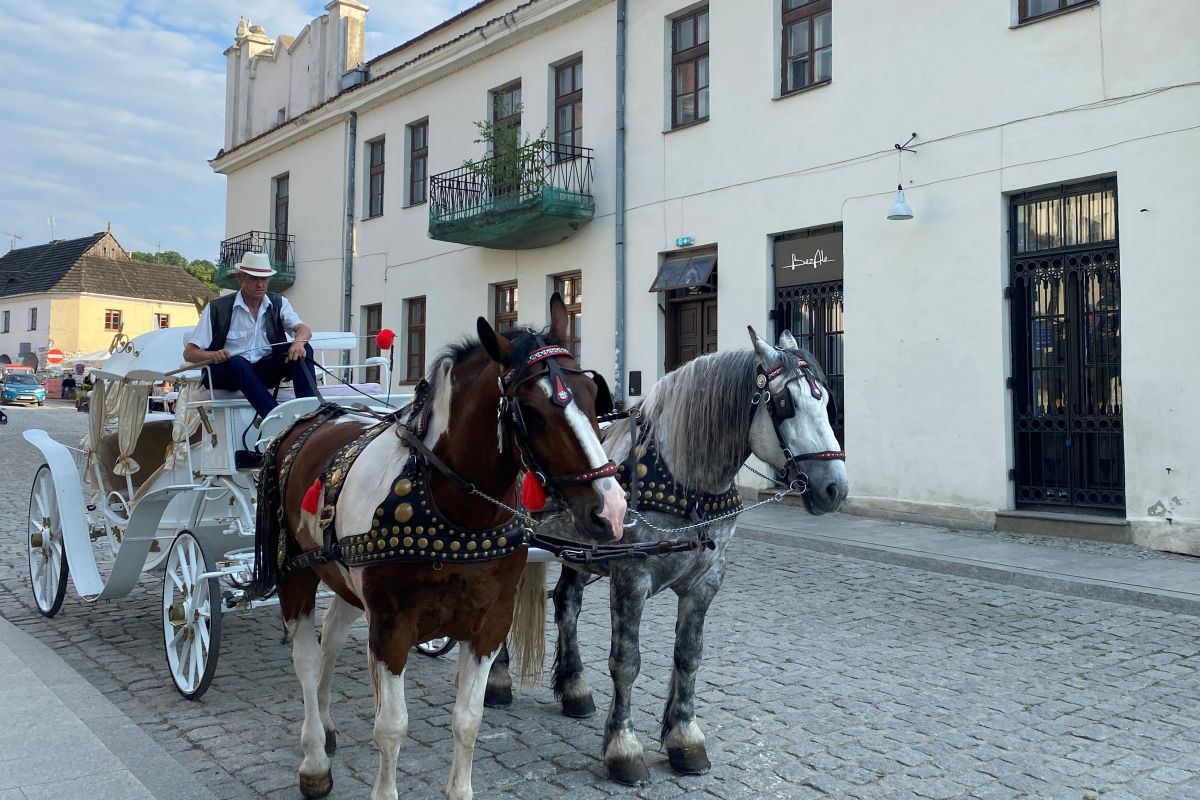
x: 780, y: 409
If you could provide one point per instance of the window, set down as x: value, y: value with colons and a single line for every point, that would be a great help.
x: 281, y: 219
x: 112, y: 319
x: 1033, y: 9
x: 568, y: 109
x: 807, y: 44
x: 505, y: 314
x: 33, y: 319
x: 161, y: 320
x: 418, y: 161
x: 506, y: 116
x: 7, y: 321
x: 689, y: 68
x: 375, y: 182
x: 570, y: 286
x: 415, y: 338
x: 281, y: 116
x: 373, y: 322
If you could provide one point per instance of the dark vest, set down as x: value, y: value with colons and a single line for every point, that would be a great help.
x: 221, y: 314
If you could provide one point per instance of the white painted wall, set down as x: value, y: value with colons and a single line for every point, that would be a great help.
x: 18, y: 329
x: 1104, y: 90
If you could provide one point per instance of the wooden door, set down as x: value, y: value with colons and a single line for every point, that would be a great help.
x: 693, y: 330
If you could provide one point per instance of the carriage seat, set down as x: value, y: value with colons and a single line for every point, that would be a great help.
x: 287, y: 393
x: 150, y: 452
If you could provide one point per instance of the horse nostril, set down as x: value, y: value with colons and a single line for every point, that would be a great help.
x: 598, y: 522
x: 831, y: 491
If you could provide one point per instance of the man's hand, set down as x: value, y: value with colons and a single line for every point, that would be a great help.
x: 296, y: 350
x: 218, y: 356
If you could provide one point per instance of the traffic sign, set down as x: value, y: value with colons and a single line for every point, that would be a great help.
x: 54, y: 356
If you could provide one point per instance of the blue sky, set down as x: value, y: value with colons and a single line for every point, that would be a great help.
x: 110, y: 110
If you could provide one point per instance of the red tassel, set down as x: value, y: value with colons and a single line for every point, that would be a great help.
x: 385, y: 338
x: 533, y: 494
x: 311, y: 498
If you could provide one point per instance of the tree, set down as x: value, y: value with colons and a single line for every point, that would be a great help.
x: 200, y: 269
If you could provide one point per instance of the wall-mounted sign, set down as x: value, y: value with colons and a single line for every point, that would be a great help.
x: 813, y: 259
x: 685, y: 241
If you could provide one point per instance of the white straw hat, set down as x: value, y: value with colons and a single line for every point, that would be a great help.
x: 256, y: 265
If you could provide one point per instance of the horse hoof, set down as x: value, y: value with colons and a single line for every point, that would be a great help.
x: 689, y: 760
x: 578, y: 707
x: 316, y: 785
x: 330, y: 742
x: 498, y: 697
x: 630, y: 773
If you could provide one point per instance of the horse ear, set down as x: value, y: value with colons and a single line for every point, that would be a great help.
x: 498, y: 347
x: 787, y: 341
x: 604, y: 398
x: 558, y: 317
x: 767, y: 354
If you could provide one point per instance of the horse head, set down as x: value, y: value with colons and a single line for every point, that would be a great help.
x: 793, y: 431
x: 548, y: 408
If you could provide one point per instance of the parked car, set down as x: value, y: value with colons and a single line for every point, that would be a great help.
x: 22, y: 387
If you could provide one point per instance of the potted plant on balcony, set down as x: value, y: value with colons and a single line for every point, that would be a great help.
x: 513, y: 170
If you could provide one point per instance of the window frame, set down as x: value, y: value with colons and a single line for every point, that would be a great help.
x: 504, y: 319
x: 375, y: 168
x: 1064, y: 7
x: 112, y: 319
x: 33, y: 315
x: 809, y: 11
x: 372, y: 316
x: 572, y: 100
x: 162, y: 320
x: 418, y: 188
x: 573, y: 340
x: 691, y: 55
x: 411, y: 329
x: 7, y: 321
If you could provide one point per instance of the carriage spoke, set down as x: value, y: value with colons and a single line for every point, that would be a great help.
x: 175, y: 579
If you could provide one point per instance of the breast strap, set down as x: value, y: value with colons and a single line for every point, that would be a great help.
x: 659, y: 491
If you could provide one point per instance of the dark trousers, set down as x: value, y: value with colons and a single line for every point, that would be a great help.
x: 256, y: 380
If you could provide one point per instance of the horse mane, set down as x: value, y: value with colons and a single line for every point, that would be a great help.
x: 701, y: 414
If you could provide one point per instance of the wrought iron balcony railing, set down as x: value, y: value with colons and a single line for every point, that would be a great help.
x: 533, y: 196
x: 279, y: 247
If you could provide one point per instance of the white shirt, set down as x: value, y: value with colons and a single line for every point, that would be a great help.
x: 247, y: 336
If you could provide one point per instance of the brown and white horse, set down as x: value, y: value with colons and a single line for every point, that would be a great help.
x: 547, y: 418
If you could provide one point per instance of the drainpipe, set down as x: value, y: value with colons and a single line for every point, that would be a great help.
x: 348, y: 257
x: 619, y: 367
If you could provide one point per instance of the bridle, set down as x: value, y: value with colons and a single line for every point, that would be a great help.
x: 509, y: 412
x: 780, y: 408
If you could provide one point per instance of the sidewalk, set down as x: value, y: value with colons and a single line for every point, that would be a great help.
x: 60, y: 739
x: 1117, y: 573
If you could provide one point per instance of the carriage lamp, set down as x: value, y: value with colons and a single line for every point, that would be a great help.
x: 900, y: 209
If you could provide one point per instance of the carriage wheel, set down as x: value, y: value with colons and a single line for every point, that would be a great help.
x: 44, y: 539
x: 191, y: 612
x: 436, y: 647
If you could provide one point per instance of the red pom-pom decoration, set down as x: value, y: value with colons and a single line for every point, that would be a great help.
x: 384, y: 338
x: 533, y: 494
x: 312, y: 498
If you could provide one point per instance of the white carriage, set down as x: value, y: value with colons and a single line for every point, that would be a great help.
x: 160, y: 491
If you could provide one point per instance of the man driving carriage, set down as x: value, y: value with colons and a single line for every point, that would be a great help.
x: 242, y: 339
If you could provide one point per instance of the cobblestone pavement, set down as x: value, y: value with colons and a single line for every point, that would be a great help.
x: 824, y: 676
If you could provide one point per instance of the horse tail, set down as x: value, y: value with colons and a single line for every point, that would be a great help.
x: 529, y: 624
x: 270, y: 545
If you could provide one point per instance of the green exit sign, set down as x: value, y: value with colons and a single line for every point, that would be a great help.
x: 684, y: 241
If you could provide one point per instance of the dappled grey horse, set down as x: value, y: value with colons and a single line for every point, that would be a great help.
x: 679, y: 458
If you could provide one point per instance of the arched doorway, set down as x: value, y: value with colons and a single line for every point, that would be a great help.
x: 4, y: 359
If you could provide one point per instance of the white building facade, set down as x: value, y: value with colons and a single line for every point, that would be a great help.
x: 1019, y: 353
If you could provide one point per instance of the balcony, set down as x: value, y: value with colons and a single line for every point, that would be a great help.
x: 280, y: 247
x: 532, y: 197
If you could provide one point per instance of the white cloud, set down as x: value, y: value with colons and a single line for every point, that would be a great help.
x: 112, y: 109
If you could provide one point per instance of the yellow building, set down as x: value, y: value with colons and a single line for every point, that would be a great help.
x: 75, y: 295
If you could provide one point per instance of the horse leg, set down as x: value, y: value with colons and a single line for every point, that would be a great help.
x: 391, y: 712
x: 297, y: 598
x: 570, y: 686
x: 468, y: 713
x: 622, y: 750
x: 338, y: 619
x: 680, y: 733
x: 499, y: 682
